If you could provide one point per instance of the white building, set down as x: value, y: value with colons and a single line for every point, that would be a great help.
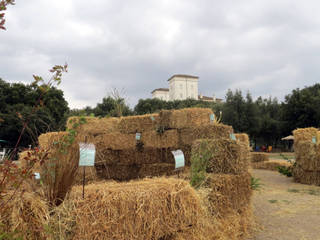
x: 182, y: 87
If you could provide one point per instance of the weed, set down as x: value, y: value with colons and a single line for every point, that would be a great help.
x: 293, y: 190
x: 255, y: 183
x: 273, y: 201
x: 287, y: 171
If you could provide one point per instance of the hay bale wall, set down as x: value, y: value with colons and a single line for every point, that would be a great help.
x: 270, y: 165
x: 162, y: 208
x: 259, y: 157
x: 243, y: 137
x: 307, y: 154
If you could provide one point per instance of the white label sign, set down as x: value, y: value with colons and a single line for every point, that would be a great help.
x: 152, y: 118
x: 314, y: 139
x: 87, y: 154
x: 37, y: 175
x: 211, y: 117
x: 232, y: 136
x: 179, y: 158
x: 138, y: 136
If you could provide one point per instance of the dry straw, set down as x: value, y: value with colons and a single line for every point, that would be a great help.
x: 115, y: 141
x: 228, y: 193
x: 59, y: 171
x: 185, y: 118
x: 212, y: 131
x: 270, y: 165
x: 304, y: 134
x: 306, y: 177
x: 26, y: 214
x: 224, y: 155
x: 243, y: 137
x: 167, y: 139
x: 141, y: 123
x: 259, y: 157
x: 308, y: 155
x: 147, y: 209
x: 94, y: 126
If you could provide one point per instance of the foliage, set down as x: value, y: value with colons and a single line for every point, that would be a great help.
x: 287, y: 171
x: 199, y: 163
x: 3, y: 7
x: 255, y: 183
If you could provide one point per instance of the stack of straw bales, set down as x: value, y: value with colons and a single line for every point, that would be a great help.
x: 307, y: 154
x: 271, y: 164
x: 227, y: 182
x: 259, y: 157
x: 121, y: 157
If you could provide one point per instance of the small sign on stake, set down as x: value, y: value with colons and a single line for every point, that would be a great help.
x: 37, y: 176
x: 179, y: 160
x: 87, y: 154
x: 138, y: 136
x: 232, y: 136
x: 314, y: 139
x: 152, y: 118
x: 211, y: 117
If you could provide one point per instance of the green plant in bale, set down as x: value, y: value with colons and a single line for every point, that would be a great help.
x: 199, y: 162
x: 255, y: 183
x: 287, y: 171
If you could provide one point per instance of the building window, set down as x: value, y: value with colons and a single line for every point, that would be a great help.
x: 181, y: 96
x: 191, y: 86
x: 181, y: 86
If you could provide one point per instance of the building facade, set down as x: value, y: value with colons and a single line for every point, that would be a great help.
x: 182, y: 87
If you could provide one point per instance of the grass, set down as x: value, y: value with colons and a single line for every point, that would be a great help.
x: 273, y: 201
x: 255, y: 183
x: 314, y: 192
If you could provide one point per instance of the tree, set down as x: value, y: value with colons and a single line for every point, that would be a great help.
x: 301, y: 108
x: 3, y: 7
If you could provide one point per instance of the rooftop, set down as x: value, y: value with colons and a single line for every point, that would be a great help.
x: 161, y: 89
x: 183, y: 75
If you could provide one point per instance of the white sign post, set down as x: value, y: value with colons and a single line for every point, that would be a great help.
x: 211, y: 117
x: 179, y: 160
x: 314, y: 139
x: 232, y: 136
x: 37, y: 176
x: 138, y: 136
x: 87, y: 157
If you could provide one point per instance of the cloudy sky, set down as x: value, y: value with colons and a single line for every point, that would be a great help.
x: 267, y: 47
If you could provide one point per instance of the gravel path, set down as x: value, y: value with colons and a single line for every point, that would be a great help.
x: 285, y: 210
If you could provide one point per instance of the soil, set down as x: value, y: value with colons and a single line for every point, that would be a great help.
x: 285, y: 210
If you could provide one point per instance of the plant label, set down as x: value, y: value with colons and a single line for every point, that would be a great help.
x: 179, y: 158
x: 138, y: 136
x: 232, y: 136
x: 152, y: 118
x: 37, y: 175
x: 212, y: 117
x: 87, y: 154
x: 314, y: 139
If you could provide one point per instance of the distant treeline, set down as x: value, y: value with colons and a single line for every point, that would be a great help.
x: 266, y: 120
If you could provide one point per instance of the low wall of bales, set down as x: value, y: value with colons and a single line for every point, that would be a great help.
x: 307, y: 154
x: 158, y: 208
x: 272, y: 165
x: 259, y: 157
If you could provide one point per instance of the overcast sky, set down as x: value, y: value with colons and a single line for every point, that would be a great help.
x: 267, y: 47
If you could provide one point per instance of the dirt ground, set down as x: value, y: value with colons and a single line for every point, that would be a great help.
x: 285, y: 210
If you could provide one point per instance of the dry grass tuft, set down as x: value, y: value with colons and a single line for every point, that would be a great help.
x: 259, y: 157
x: 270, y: 164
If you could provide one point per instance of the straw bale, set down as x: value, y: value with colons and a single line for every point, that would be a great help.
x: 222, y: 155
x: 243, y: 137
x: 306, y: 177
x: 118, y: 172
x: 140, y: 123
x: 148, y: 209
x: 157, y: 169
x: 27, y: 214
x: 212, y: 131
x: 259, y: 156
x: 308, y: 155
x: 133, y: 156
x: 228, y: 193
x: 116, y: 141
x: 167, y: 139
x: 93, y: 126
x: 185, y: 118
x: 271, y: 164
x: 304, y: 134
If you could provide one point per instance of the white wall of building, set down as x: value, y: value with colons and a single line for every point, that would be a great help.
x: 163, y: 95
x: 181, y: 88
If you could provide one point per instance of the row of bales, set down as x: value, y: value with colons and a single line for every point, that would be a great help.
x: 307, y: 154
x: 134, y: 192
